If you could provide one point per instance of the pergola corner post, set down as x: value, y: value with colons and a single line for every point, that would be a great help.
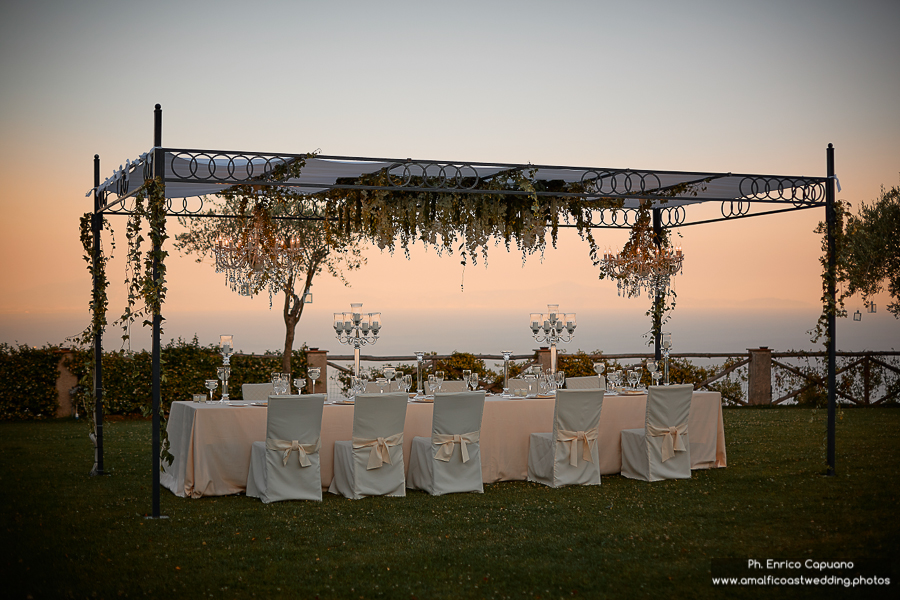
x: 158, y: 172
x: 96, y: 230
x: 830, y: 220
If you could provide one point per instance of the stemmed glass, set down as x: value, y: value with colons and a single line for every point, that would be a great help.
x: 560, y: 379
x: 473, y: 380
x: 211, y: 384
x: 299, y: 383
x: 406, y: 382
x: 616, y: 377
x: 634, y: 376
x: 382, y: 383
x: 439, y: 379
x: 432, y: 386
x: 389, y: 373
x: 314, y: 373
x: 653, y: 368
x: 223, y: 373
x: 467, y: 374
x: 279, y: 384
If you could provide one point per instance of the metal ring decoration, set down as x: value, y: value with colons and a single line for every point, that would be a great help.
x: 230, y: 168
x: 621, y: 183
x: 734, y: 208
x: 798, y: 191
x: 187, y: 206
x: 448, y: 177
x: 672, y: 216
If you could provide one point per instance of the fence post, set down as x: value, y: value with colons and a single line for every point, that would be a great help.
x: 760, y: 384
x: 544, y: 358
x: 317, y: 358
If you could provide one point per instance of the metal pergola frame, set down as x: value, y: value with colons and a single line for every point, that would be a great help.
x: 196, y: 172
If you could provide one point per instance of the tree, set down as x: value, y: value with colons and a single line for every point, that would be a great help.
x: 281, y: 218
x: 872, y: 249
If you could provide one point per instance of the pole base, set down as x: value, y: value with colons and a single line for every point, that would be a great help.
x: 154, y: 518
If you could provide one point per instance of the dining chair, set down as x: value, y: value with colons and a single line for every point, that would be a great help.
x: 371, y: 464
x: 450, y: 460
x: 455, y: 385
x: 518, y: 384
x: 662, y: 449
x: 286, y: 465
x: 591, y: 382
x: 257, y: 392
x: 372, y: 387
x: 568, y: 455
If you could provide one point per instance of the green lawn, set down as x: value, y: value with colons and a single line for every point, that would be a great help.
x: 66, y: 534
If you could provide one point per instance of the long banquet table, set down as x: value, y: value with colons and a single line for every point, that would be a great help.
x: 211, y: 442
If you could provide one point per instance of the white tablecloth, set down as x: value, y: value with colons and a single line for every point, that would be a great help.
x: 211, y: 442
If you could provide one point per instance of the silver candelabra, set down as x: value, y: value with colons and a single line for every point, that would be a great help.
x: 553, y: 327
x: 357, y: 328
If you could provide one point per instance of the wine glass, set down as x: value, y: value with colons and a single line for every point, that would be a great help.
x: 617, y: 380
x: 406, y: 382
x: 473, y: 380
x: 211, y: 384
x: 599, y: 367
x: 560, y: 379
x: 382, y: 383
x: 431, y: 384
x: 299, y: 383
x: 439, y: 379
x: 467, y: 374
x: 389, y: 373
x: 653, y: 369
x: 314, y: 373
x: 634, y: 376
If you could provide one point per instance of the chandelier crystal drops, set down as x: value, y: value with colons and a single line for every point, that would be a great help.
x: 255, y: 261
x: 642, y: 269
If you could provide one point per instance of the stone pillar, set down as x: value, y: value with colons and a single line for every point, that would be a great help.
x: 544, y: 358
x: 65, y: 381
x: 318, y: 358
x: 760, y: 384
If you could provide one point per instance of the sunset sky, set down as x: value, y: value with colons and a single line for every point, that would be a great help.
x: 759, y: 87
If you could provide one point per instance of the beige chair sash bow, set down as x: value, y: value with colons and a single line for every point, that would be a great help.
x: 672, y: 441
x: 380, y: 449
x: 289, y: 446
x: 447, y: 442
x: 571, y: 437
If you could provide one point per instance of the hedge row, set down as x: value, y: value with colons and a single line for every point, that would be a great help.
x: 28, y: 382
x: 184, y: 367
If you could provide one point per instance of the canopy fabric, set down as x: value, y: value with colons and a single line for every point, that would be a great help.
x: 190, y: 173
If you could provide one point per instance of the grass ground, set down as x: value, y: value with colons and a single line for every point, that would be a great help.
x: 65, y: 534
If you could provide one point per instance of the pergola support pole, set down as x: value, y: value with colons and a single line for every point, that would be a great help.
x: 830, y: 219
x: 158, y: 171
x: 658, y: 297
x: 96, y: 230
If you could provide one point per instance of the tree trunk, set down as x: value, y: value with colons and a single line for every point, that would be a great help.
x: 293, y: 309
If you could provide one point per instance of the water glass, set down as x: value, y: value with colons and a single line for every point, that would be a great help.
x: 439, y: 379
x: 211, y: 384
x: 314, y: 373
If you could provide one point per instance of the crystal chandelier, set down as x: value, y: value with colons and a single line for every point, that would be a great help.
x: 255, y: 260
x: 642, y: 268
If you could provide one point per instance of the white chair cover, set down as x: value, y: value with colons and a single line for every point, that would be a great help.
x: 456, y: 385
x: 450, y: 460
x: 372, y: 463
x: 569, y: 455
x: 591, y: 382
x: 372, y: 387
x: 257, y: 392
x: 662, y: 449
x: 286, y: 465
